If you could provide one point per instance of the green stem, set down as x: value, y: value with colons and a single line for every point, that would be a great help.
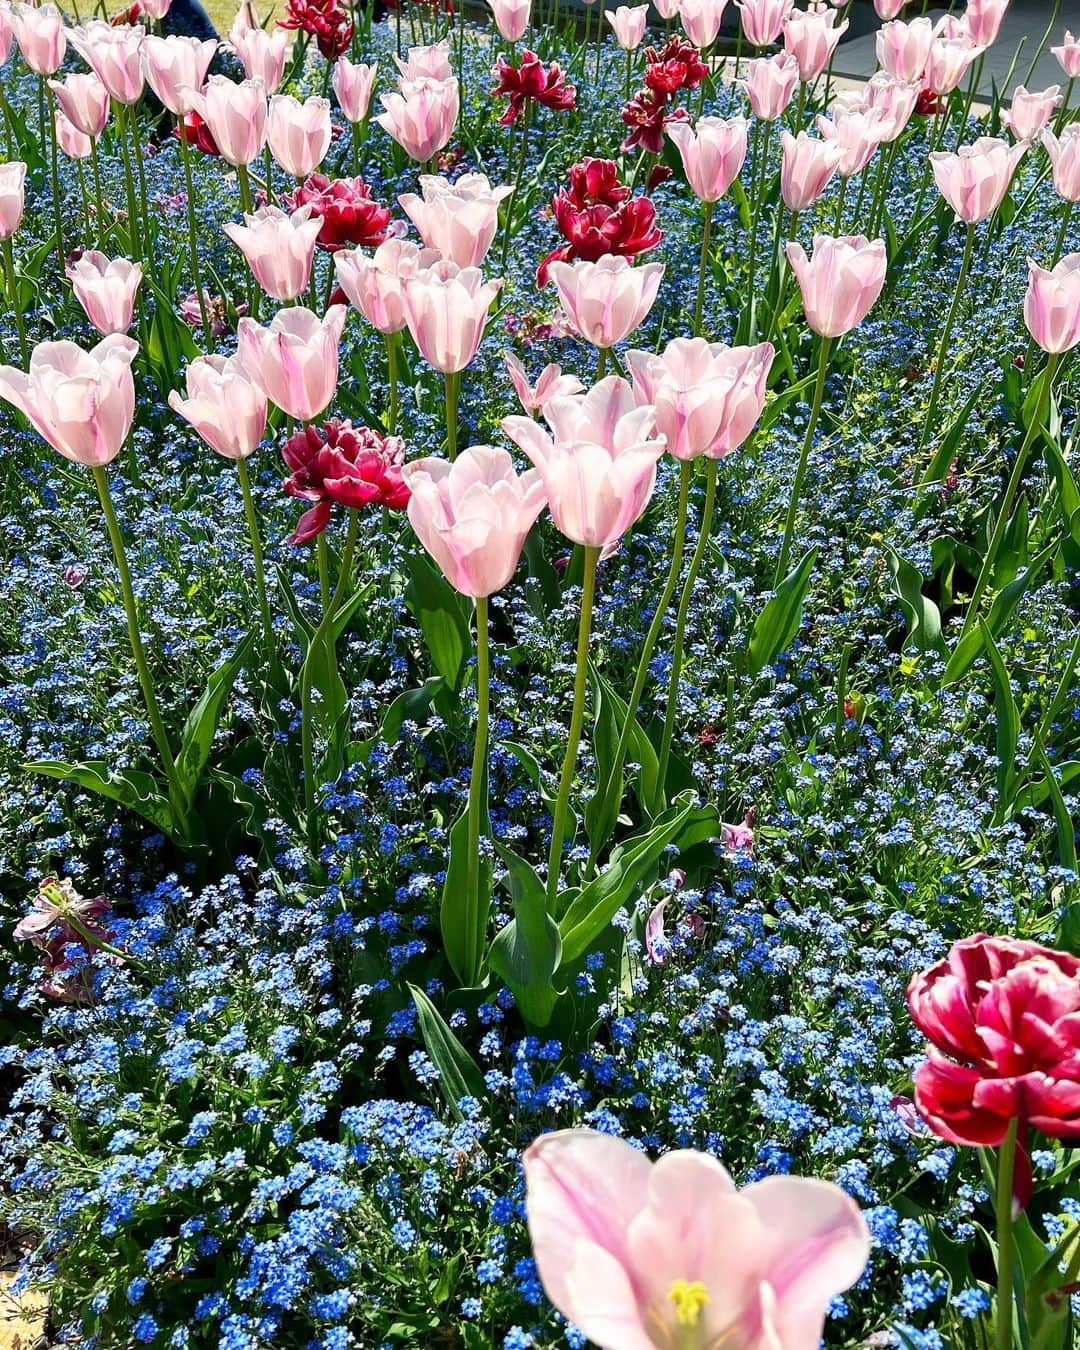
x: 511, y: 201
x: 54, y: 171
x: 704, y: 531
x: 838, y: 219
x: 703, y: 266
x: 140, y: 170
x: 601, y: 363
x: 943, y: 341
x: 97, y: 943
x: 322, y: 558
x: 1003, y: 1339
x: 477, y: 794
x: 392, y: 378
x: 577, y: 719
x: 99, y: 196
x: 1064, y: 109
x: 452, y: 388
x: 1059, y: 243
x: 804, y: 456
x: 193, y: 238
x: 243, y: 179
x: 13, y: 298
x: 129, y: 181
x: 257, y: 557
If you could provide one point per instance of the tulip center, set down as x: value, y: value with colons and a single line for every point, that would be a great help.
x: 689, y: 1299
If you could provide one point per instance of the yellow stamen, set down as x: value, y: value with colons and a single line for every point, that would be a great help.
x: 689, y: 1300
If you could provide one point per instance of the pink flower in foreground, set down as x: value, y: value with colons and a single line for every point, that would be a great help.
x: 114, y: 55
x: 425, y: 63
x: 42, y: 38
x: 106, y: 290
x: 446, y: 309
x: 422, y: 117
x: 903, y: 48
x: 649, y: 1256
x: 295, y: 360
x: 279, y: 248
x: 263, y: 54
x: 224, y: 405
x: 84, y: 101
x: 298, y: 133
x: 12, y: 196
x: 712, y: 152
x: 1064, y: 155
x: 175, y: 67
x: 975, y: 179
x: 353, y: 84
x: 811, y: 37
x: 1052, y: 304
x: 1030, y: 112
x: 806, y: 165
x: 628, y: 25
x: 983, y: 18
x: 840, y: 282
x: 763, y: 20
x: 457, y: 219
x: 769, y: 84
x: 606, y: 300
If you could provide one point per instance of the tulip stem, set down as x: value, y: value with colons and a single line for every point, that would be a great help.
x: 322, y: 558
x: 577, y: 720
x: 140, y: 170
x: 193, y: 236
x: 99, y: 196
x: 703, y: 265
x: 943, y: 340
x: 146, y: 680
x: 1003, y: 1339
x: 452, y: 386
x: 94, y: 942
x: 477, y: 797
x: 1064, y: 110
x: 704, y: 531
x: 13, y: 298
x: 243, y: 179
x: 511, y: 201
x: 601, y: 363
x: 392, y: 379
x: 838, y: 219
x: 755, y: 219
x: 804, y: 456
x: 129, y: 181
x: 257, y: 558
x: 1059, y: 243
x: 54, y: 169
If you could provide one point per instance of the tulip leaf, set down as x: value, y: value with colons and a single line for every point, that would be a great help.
x: 466, y: 903
x: 923, y: 616
x: 602, y: 809
x: 140, y: 792
x: 779, y: 621
x: 443, y: 616
x: 940, y: 464
x: 459, y: 1073
x: 408, y: 706
x: 1007, y: 717
x: 1006, y: 600
x: 321, y: 668
x: 526, y: 953
x: 1066, y: 829
x: 197, y: 737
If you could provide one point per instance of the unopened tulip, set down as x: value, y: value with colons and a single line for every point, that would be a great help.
x: 353, y: 85
x: 903, y: 48
x: 1052, y: 304
x: 975, y: 179
x: 279, y: 248
x: 425, y: 63
x: 947, y: 63
x: 1064, y: 155
x: 474, y: 515
x: 1068, y: 56
x: 80, y: 402
x: 811, y: 37
x: 840, y: 282
x: 174, y: 66
x: 446, y: 309
x: 701, y: 20
x: 70, y: 139
x: 706, y: 395
x: 224, y: 405
x: 1029, y: 113
x: 458, y: 219
x: 12, y: 194
x: 106, y: 290
x: 236, y: 116
x: 422, y: 118
x: 628, y: 25
x: 41, y: 36
x: 806, y: 165
x: 770, y: 83
x: 712, y: 152
x: 763, y: 20
x: 607, y: 299
x: 295, y: 360
x: 113, y: 54
x: 888, y: 9
x: 84, y: 101
x: 640, y: 1255
x: 374, y: 283
x: 298, y: 133
x: 511, y: 18
x: 982, y: 18
x: 262, y: 54
x: 856, y: 133
x: 551, y: 384
x: 599, y: 463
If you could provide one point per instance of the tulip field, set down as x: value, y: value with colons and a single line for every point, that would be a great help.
x: 539, y: 678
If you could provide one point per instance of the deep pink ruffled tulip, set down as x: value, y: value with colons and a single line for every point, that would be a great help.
x: 41, y: 36
x: 106, y: 289
x: 1029, y: 113
x: 1052, y: 304
x: 446, y: 309
x: 425, y: 63
x: 551, y: 384
x: 174, y: 66
x: 457, y: 219
x: 511, y: 18
x: 628, y: 25
x: 353, y: 84
x: 811, y: 37
x: 263, y: 54
x: 712, y: 151
x: 975, y: 179
x: 607, y: 299
x: 12, y: 196
x: 598, y: 464
x: 1068, y: 55
x: 769, y: 84
x: 295, y: 360
x: 80, y: 402
x: 1064, y: 152
x: 343, y: 465
x: 701, y: 20
x: 374, y: 284
x: 706, y: 395
x: 806, y: 166
x: 650, y: 1256
x: 840, y: 282
x: 113, y: 54
x: 298, y: 133
x: 903, y: 48
x: 279, y: 248
x: 473, y: 515
x: 982, y: 18
x: 763, y: 20
x: 224, y: 405
x: 422, y: 117
x: 856, y: 133
x: 236, y: 117
x: 84, y: 101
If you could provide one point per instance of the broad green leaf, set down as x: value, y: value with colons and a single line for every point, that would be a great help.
x: 139, y: 792
x: 779, y: 621
x: 202, y: 721
x: 1007, y: 717
x: 950, y: 443
x: 1006, y: 600
x: 321, y: 668
x: 459, y: 1073
x: 526, y: 953
x: 602, y: 808
x: 409, y: 706
x: 1066, y: 828
x: 466, y: 905
x: 443, y: 616
x: 923, y: 616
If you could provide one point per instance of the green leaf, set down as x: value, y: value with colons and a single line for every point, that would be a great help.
x: 322, y: 667
x: 1006, y: 600
x: 1007, y: 716
x: 1038, y: 790
x: 923, y: 616
x: 202, y: 721
x: 1066, y: 830
x: 139, y: 792
x: 950, y: 442
x: 443, y: 616
x: 409, y: 706
x: 526, y: 953
x: 466, y: 907
x: 459, y: 1073
x: 779, y: 621
x: 602, y: 809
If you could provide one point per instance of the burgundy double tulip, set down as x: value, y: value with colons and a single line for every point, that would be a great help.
x: 598, y: 216
x: 348, y: 213
x: 346, y: 465
x: 532, y: 82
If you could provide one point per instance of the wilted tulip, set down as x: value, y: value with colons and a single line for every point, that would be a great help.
x: 606, y: 300
x: 840, y: 282
x: 712, y: 151
x: 457, y: 219
x: 446, y: 309
x: 1052, y: 304
x: 106, y: 290
x: 295, y: 360
x: 374, y: 284
x: 224, y: 405
x: 279, y: 248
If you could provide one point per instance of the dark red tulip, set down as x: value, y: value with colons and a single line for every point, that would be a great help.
x: 534, y: 81
x: 597, y: 215
x: 353, y: 466
x: 350, y: 215
x: 324, y: 20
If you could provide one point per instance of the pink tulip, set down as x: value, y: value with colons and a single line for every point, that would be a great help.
x: 952, y: 26
x: 667, y: 9
x: 1065, y: 159
x: 84, y: 101
x: 473, y: 515
x: 456, y: 219
x: 1029, y: 113
x: 841, y: 282
x: 113, y: 55
x: 12, y: 195
x: 353, y: 85
x: 903, y: 48
x: 607, y: 299
x: 712, y: 153
x: 279, y: 248
x: 706, y: 395
x: 7, y: 32
x: 511, y: 18
x: 628, y: 25
x: 770, y: 83
x: 41, y: 36
x: 236, y: 116
x: 763, y: 20
x: 80, y: 402
x: 806, y: 165
x: 421, y: 118
x: 70, y: 139
x: 224, y: 405
x: 263, y: 54
x: 425, y: 63
x: 374, y: 284
x: 948, y: 62
x: 294, y: 361
x: 646, y: 1256
x: 856, y: 133
x: 701, y: 20
x: 599, y: 466
x: 1052, y: 304
x: 176, y: 66
x: 446, y: 308
x: 888, y: 9
x: 155, y: 9
x: 1068, y: 55
x: 106, y: 290
x: 983, y: 20
x: 975, y: 179
x: 811, y: 37
x: 893, y: 100
x: 299, y: 133
x: 551, y: 384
